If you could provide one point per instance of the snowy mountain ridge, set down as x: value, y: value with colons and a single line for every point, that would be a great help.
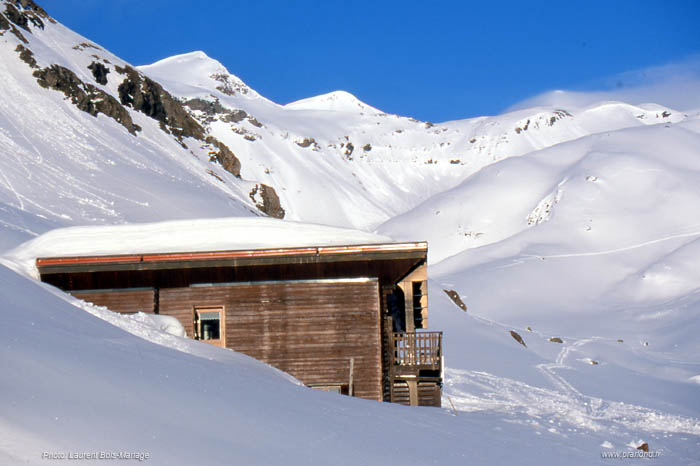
x: 386, y: 164
x: 329, y: 159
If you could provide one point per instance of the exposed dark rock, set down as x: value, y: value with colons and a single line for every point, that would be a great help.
x: 26, y: 55
x: 644, y: 447
x: 454, y: 296
x: 254, y: 122
x: 224, y: 156
x: 35, y: 9
x: 234, y: 116
x: 306, y: 142
x: 16, y: 17
x: 85, y: 96
x: 267, y: 201
x: 85, y: 45
x: 205, y: 106
x: 556, y: 340
x: 227, y: 87
x: 367, y: 147
x: 18, y: 34
x: 147, y: 96
x: 518, y: 338
x: 99, y: 72
x: 349, y: 148
x: 31, y: 13
x: 4, y: 23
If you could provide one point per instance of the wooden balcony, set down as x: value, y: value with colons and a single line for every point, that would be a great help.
x: 417, y: 349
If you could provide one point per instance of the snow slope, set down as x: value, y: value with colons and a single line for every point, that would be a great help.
x: 592, y: 242
x: 185, y: 402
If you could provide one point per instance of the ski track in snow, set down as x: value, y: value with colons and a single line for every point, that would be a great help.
x: 564, y: 406
x: 470, y: 390
x: 612, y: 251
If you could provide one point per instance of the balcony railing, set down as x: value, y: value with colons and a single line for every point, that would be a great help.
x: 418, y: 349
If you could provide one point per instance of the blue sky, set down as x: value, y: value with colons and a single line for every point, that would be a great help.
x: 433, y: 60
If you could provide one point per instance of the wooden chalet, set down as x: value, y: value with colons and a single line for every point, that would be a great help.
x: 349, y: 319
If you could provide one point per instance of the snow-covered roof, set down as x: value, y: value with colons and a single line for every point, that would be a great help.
x: 222, y: 234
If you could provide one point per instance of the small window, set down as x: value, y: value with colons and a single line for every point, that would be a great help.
x: 209, y: 325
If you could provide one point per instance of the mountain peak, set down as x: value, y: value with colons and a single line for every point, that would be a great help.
x: 197, y: 60
x: 197, y: 69
x: 340, y: 101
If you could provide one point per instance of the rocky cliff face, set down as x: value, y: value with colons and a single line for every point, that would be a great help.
x: 148, y: 97
x: 116, y: 90
x: 86, y: 97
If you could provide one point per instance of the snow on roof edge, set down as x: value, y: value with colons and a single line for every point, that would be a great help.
x: 197, y: 235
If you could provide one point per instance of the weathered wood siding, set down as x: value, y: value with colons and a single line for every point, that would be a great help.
x: 126, y: 301
x: 309, y: 329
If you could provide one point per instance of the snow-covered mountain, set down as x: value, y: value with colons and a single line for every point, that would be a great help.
x: 334, y: 159
x: 102, y: 143
x: 575, y: 228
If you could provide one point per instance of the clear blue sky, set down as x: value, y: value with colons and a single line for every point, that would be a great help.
x: 433, y: 60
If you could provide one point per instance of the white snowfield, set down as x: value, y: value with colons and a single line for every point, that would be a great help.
x: 577, y: 224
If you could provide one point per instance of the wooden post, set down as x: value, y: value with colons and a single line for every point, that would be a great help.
x: 352, y: 370
x: 413, y: 391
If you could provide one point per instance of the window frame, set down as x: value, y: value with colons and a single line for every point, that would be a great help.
x: 221, y: 341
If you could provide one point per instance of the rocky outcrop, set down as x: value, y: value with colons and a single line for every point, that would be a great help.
x: 147, y: 96
x: 234, y: 116
x: 517, y: 338
x: 4, y: 23
x: 85, y: 96
x: 349, y: 148
x: 228, y: 85
x: 207, y: 107
x: 224, y: 156
x: 31, y: 13
x: 454, y: 296
x: 307, y: 142
x: 99, y: 72
x: 267, y: 201
x: 26, y: 55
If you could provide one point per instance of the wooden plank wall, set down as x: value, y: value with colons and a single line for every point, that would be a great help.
x: 125, y: 301
x: 308, y: 329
